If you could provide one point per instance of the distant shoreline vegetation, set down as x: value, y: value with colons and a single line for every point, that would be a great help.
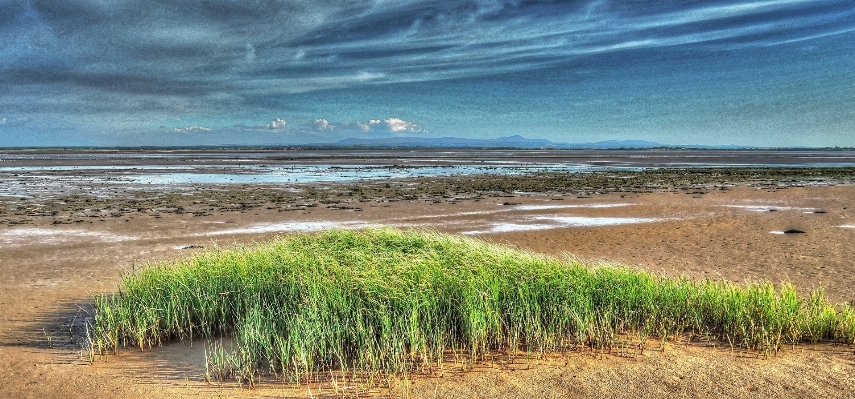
x: 380, y: 302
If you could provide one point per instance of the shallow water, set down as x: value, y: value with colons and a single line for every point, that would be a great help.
x: 316, y: 174
x: 584, y: 221
x: 771, y: 208
x: 25, y: 181
x: 511, y: 227
x: 538, y: 207
x: 34, y: 235
x: 288, y: 227
x: 558, y: 222
x: 45, y: 173
x: 511, y: 208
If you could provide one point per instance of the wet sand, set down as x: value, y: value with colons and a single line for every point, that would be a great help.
x: 53, y: 256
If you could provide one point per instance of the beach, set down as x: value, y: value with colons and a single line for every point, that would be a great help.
x: 71, y: 225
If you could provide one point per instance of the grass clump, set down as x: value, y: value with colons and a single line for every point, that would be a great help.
x: 385, y: 301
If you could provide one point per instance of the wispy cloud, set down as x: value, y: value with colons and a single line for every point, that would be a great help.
x: 296, y: 46
x: 11, y: 122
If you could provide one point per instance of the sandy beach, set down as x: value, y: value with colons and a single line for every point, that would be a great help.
x: 56, y: 252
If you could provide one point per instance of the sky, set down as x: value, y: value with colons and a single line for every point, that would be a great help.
x: 254, y: 72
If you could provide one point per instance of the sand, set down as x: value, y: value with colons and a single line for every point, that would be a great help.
x: 51, y: 263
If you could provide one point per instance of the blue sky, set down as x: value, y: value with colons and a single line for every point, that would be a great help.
x: 175, y: 72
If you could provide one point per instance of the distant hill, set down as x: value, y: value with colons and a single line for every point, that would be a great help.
x: 447, y: 142
x: 515, y: 141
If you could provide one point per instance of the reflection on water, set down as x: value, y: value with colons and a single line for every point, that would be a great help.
x: 583, y: 221
x: 510, y: 227
x: 289, y: 227
x: 312, y: 174
x: 538, y: 207
x: 46, y: 173
x: 557, y: 222
x: 31, y: 236
x: 22, y: 181
x: 770, y: 208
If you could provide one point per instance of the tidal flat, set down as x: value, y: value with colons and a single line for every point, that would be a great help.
x: 68, y: 233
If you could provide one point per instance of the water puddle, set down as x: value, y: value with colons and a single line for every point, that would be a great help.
x: 511, y: 227
x: 558, y: 222
x: 772, y: 208
x: 507, y: 208
x: 582, y: 221
x: 449, y: 215
x: 26, y: 236
x: 788, y: 232
x: 539, y: 207
x: 289, y: 227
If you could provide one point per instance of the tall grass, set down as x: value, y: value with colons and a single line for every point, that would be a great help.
x: 385, y: 301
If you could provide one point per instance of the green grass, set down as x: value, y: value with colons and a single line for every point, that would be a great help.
x: 386, y: 302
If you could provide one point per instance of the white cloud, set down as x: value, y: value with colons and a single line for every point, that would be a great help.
x: 277, y: 124
x: 322, y: 125
x: 364, y: 126
x: 189, y: 129
x: 400, y: 125
x: 391, y: 125
x: 3, y: 121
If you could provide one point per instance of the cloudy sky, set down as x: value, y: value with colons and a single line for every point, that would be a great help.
x: 191, y: 72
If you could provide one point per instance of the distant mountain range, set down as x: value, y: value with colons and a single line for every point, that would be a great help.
x: 515, y: 141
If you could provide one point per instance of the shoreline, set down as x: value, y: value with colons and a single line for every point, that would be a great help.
x: 675, y: 157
